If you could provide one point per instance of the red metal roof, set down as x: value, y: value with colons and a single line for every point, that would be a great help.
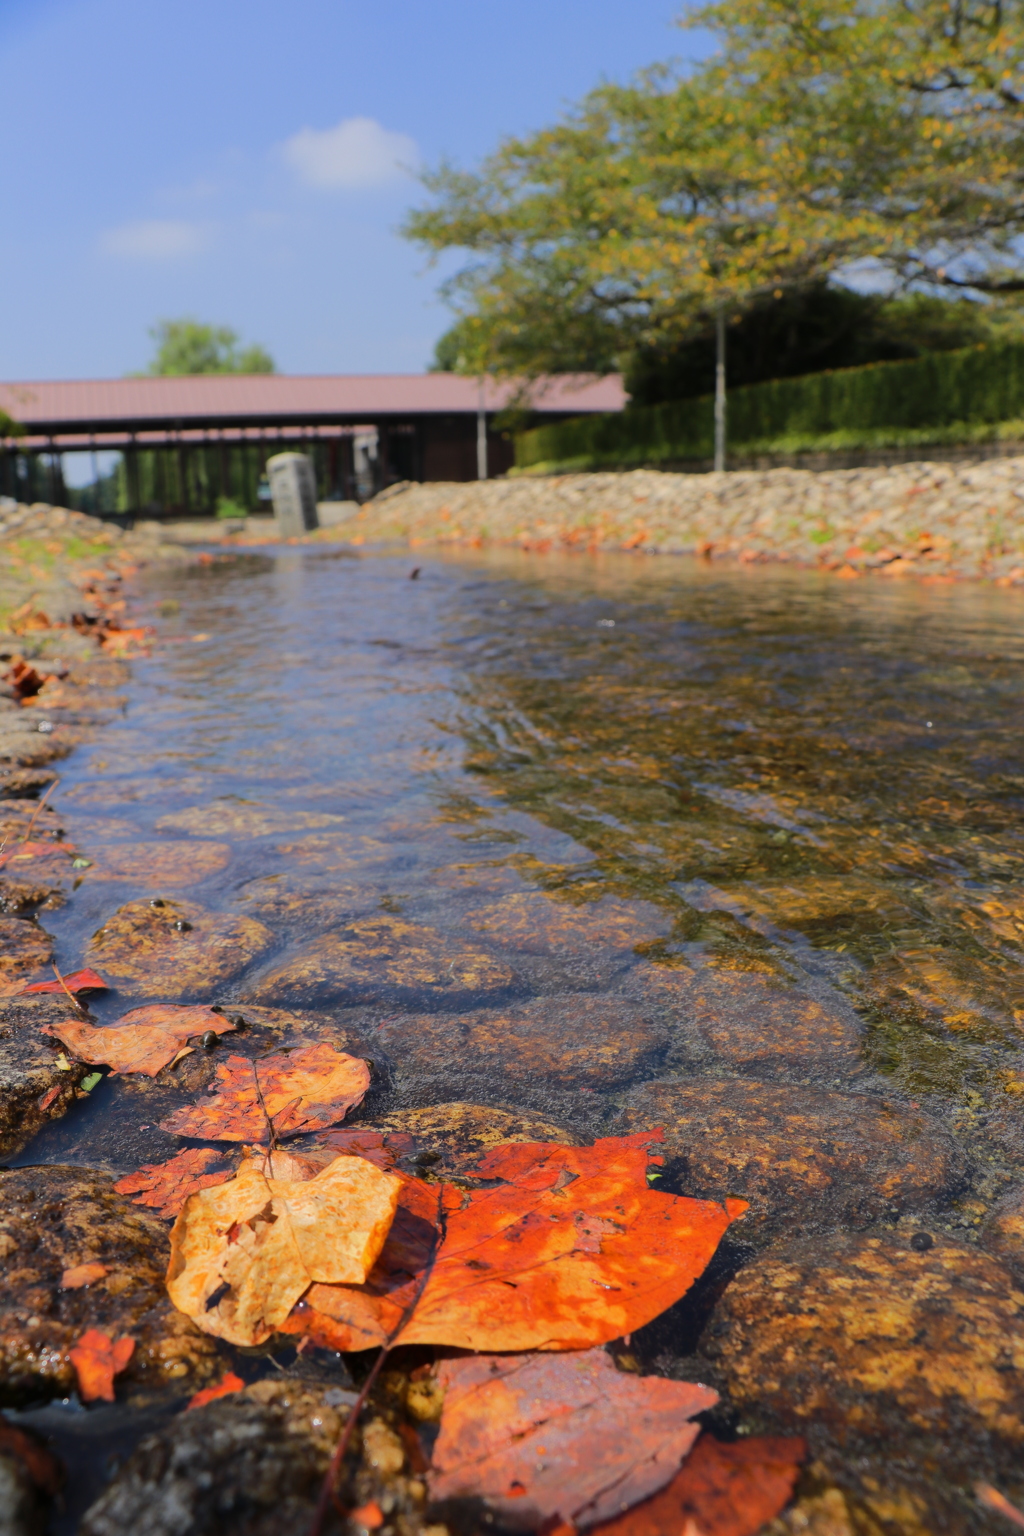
x: 89, y: 404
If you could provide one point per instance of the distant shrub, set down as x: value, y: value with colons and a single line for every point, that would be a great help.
x: 940, y: 397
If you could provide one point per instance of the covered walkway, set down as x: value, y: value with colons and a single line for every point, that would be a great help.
x: 172, y: 446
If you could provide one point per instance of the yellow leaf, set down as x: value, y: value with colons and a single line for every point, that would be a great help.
x: 244, y: 1252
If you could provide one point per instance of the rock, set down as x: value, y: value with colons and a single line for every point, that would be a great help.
x: 53, y: 1219
x: 159, y: 864
x: 379, y: 957
x: 455, y: 1136
x: 24, y: 948
x: 164, y: 948
x: 755, y: 1024
x: 246, y: 1465
x: 34, y: 1085
x: 1002, y: 1234
x: 905, y: 1367
x: 30, y: 1479
x: 805, y: 1159
x: 252, y: 1465
x: 541, y: 925
x: 597, y: 1041
x: 239, y: 819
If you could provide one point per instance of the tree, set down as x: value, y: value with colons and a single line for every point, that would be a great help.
x: 824, y: 134
x: 187, y: 346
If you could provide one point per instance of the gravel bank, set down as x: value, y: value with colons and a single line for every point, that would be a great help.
x: 943, y: 521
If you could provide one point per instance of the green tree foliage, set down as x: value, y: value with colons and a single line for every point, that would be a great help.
x: 823, y: 134
x: 187, y: 346
x: 9, y: 427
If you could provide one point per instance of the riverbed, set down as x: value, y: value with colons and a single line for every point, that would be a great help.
x: 597, y: 843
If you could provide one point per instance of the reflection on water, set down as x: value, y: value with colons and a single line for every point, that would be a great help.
x: 608, y: 776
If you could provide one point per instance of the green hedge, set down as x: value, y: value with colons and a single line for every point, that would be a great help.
x: 939, y: 397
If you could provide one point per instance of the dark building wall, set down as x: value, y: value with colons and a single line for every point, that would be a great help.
x: 449, y: 449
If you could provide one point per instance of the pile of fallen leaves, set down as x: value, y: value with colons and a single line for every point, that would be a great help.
x: 517, y: 1273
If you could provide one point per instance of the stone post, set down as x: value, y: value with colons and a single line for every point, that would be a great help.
x: 293, y: 492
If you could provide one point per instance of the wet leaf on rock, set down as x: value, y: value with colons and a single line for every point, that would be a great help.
x: 164, y: 1187
x: 75, y: 981
x: 144, y: 1040
x: 243, y: 1254
x: 568, y: 1248
x: 730, y: 1489
x: 567, y: 1436
x: 97, y: 1359
x: 228, y: 1383
x: 306, y: 1090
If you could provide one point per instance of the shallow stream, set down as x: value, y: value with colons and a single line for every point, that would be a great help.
x: 598, y: 822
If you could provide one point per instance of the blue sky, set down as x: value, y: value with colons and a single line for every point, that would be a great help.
x: 236, y: 160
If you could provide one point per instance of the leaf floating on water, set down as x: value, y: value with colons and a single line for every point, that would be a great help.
x: 97, y: 1359
x: 78, y: 981
x: 721, y: 1490
x: 228, y: 1383
x: 541, y: 1437
x: 243, y: 1254
x: 569, y: 1250
x: 164, y: 1187
x: 306, y: 1090
x: 144, y: 1040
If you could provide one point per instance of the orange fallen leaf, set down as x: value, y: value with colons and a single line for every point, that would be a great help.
x: 144, y: 1040
x: 164, y: 1187
x: 570, y: 1249
x: 991, y: 1498
x: 720, y: 1490
x: 369, y: 1516
x: 97, y: 1359
x: 307, y: 1090
x: 78, y: 981
x: 228, y: 1383
x: 82, y: 1274
x: 242, y: 1254
x: 568, y: 1437
x: 43, y: 1469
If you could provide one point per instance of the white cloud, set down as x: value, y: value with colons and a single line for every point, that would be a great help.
x: 153, y: 239
x: 358, y: 152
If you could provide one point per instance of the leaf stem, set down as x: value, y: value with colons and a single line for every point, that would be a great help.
x: 35, y: 813
x: 74, y: 1000
x: 275, y: 1145
x: 331, y: 1475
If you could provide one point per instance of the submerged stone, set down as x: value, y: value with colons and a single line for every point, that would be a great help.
x: 378, y: 957
x: 905, y: 1368
x: 159, y: 863
x: 243, y: 819
x: 37, y: 1078
x: 455, y: 1136
x: 538, y: 924
x: 55, y: 1219
x: 597, y: 1041
x: 805, y: 1159
x: 165, y: 948
x: 1003, y: 1232
x: 754, y: 1023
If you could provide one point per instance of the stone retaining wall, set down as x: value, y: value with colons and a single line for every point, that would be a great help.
x: 937, y: 519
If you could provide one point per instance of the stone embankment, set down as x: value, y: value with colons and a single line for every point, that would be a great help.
x: 944, y: 521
